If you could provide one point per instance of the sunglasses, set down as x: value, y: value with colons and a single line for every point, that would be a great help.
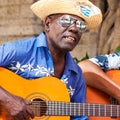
x: 67, y: 20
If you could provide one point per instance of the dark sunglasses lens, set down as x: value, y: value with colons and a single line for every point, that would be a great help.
x: 64, y: 22
x: 81, y: 25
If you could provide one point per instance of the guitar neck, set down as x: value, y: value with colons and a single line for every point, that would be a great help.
x: 51, y: 108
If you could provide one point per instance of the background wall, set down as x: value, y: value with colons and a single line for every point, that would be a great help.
x: 17, y: 20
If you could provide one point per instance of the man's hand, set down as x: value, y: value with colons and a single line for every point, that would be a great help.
x: 16, y: 106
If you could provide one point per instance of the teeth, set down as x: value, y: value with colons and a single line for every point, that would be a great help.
x: 70, y: 38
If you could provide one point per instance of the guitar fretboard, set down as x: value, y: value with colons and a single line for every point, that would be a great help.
x: 51, y: 108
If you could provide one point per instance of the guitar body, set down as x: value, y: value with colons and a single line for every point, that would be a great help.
x: 48, y: 88
x: 96, y: 96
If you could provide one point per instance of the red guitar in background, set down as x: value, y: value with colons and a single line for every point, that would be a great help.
x: 96, y: 96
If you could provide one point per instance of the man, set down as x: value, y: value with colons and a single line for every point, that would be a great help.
x: 48, y: 54
x: 94, y: 72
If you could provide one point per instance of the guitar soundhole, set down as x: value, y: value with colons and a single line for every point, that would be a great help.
x: 39, y: 107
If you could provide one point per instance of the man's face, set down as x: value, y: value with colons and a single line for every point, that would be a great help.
x: 64, y: 31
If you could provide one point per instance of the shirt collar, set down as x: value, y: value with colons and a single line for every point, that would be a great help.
x: 41, y: 40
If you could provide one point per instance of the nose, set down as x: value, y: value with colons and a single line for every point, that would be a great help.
x: 73, y: 28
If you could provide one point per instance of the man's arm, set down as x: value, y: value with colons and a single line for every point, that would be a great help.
x: 96, y: 77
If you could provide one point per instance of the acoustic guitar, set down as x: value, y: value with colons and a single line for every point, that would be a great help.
x: 97, y: 96
x: 50, y: 99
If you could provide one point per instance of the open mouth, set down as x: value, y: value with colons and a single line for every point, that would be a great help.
x: 69, y: 38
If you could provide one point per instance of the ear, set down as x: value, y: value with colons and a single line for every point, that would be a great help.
x: 47, y: 23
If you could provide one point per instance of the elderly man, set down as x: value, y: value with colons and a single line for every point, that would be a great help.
x: 48, y: 54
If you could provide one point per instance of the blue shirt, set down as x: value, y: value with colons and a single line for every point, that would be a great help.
x: 107, y: 61
x: 31, y: 58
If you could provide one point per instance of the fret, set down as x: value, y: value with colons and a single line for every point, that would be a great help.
x: 88, y: 109
x: 71, y: 109
x: 48, y: 108
x: 68, y: 110
x: 65, y: 108
x: 83, y: 109
x: 62, y: 109
x: 78, y: 109
x: 111, y: 110
x: 51, y: 104
x: 74, y: 109
x: 56, y: 108
x: 99, y: 110
x: 118, y: 110
x: 93, y: 110
x: 104, y: 110
x: 52, y: 111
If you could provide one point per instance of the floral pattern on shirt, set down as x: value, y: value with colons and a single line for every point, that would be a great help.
x: 16, y: 66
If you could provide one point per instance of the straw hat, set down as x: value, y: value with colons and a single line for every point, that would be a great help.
x: 81, y: 8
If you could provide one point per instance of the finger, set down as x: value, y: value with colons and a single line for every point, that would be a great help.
x: 22, y: 116
x: 28, y: 102
x: 26, y: 115
x: 30, y: 112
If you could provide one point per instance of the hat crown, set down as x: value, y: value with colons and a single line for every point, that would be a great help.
x: 81, y: 8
